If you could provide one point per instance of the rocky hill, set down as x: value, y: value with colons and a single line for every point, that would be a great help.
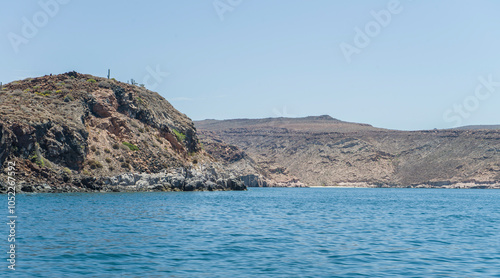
x: 469, y: 127
x: 77, y: 132
x: 322, y: 151
x: 239, y: 162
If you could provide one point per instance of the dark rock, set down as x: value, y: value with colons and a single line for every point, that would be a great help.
x: 27, y: 188
x: 189, y: 187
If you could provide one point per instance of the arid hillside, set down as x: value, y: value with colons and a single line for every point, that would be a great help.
x: 73, y: 132
x: 325, y: 151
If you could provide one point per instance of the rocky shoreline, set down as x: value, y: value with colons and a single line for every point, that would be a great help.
x: 321, y: 150
x: 76, y: 132
x: 434, y: 185
x: 205, y: 178
x: 256, y: 180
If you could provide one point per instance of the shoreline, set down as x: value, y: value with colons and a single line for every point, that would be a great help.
x: 135, y: 182
x: 430, y: 185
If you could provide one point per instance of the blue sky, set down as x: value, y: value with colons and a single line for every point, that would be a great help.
x: 432, y: 64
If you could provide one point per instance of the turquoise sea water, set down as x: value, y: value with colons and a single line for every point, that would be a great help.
x: 263, y: 232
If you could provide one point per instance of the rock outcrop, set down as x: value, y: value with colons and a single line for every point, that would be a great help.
x: 72, y: 131
x: 207, y: 178
x: 239, y: 162
x: 322, y: 151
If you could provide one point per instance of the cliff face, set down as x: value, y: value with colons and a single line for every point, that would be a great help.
x: 71, y: 132
x: 239, y: 162
x: 325, y: 151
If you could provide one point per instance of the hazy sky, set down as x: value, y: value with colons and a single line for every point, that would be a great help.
x: 393, y: 64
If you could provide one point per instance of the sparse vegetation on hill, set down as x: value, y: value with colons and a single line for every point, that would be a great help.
x: 56, y: 123
x: 132, y: 147
x: 325, y: 151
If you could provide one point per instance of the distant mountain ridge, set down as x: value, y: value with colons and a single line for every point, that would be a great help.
x: 326, y: 151
x: 322, y: 123
x: 475, y: 127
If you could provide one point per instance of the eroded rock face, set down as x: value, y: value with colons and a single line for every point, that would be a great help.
x: 240, y: 163
x: 322, y: 151
x: 177, y: 179
x: 60, y: 143
x: 67, y: 132
x: 209, y: 177
x: 105, y: 103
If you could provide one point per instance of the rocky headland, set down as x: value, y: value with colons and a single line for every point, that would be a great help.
x: 323, y: 151
x: 75, y: 132
x: 80, y: 133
